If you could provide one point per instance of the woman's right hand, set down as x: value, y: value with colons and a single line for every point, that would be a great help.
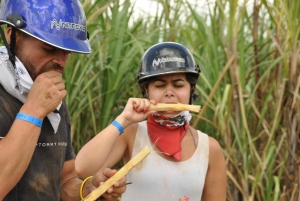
x: 136, y: 110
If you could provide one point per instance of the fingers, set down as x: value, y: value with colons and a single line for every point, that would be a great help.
x: 141, y: 104
x: 118, y: 185
x: 55, y: 77
x: 114, y: 191
x: 136, y: 110
x: 46, y: 93
x: 107, y: 173
x: 103, y: 176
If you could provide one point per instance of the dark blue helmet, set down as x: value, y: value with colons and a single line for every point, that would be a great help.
x: 166, y: 58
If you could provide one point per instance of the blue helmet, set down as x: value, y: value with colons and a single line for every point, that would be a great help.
x: 61, y: 24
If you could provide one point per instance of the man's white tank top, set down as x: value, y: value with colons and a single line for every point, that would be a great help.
x: 157, y: 179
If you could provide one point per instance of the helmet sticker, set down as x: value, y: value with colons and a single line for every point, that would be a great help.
x: 66, y: 25
x: 169, y: 59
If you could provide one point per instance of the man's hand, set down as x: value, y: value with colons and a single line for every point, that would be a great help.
x: 114, y: 192
x: 45, y: 95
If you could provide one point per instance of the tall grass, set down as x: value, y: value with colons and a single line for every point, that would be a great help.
x: 249, y: 86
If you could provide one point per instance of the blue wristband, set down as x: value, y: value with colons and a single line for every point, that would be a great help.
x: 29, y: 119
x: 119, y: 126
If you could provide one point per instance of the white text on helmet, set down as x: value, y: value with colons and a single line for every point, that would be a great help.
x: 66, y: 25
x: 164, y: 60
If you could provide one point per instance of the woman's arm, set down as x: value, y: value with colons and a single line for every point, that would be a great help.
x: 93, y: 154
x: 85, y: 166
x: 216, y: 179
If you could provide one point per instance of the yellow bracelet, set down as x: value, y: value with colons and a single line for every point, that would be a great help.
x: 81, y: 187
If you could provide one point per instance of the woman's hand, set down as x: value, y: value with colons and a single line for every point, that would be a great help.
x: 136, y: 110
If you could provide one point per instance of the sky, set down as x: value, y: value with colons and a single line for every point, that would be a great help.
x: 150, y: 5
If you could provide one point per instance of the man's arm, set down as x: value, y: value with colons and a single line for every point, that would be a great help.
x: 16, y: 151
x: 71, y: 184
x: 17, y: 147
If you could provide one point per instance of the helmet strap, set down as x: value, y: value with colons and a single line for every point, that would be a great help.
x: 13, y: 40
x: 11, y: 55
x: 145, y: 95
x: 193, y: 96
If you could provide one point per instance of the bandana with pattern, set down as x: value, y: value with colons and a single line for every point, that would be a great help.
x: 167, y: 132
x: 18, y: 82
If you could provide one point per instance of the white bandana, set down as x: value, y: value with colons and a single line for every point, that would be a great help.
x: 18, y: 82
x: 177, y: 120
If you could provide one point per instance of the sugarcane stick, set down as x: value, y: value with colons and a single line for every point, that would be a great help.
x: 174, y: 107
x: 121, y: 173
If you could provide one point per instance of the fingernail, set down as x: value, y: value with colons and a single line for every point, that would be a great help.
x: 186, y: 198
x: 145, y: 110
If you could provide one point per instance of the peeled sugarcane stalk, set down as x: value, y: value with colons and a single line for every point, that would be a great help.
x: 95, y: 194
x: 175, y: 107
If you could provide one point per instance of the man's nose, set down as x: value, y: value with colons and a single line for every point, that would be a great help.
x: 61, y: 58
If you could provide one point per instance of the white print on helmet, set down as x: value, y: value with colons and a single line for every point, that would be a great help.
x: 164, y: 60
x: 66, y: 25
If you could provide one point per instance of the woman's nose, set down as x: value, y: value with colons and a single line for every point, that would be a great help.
x: 169, y: 92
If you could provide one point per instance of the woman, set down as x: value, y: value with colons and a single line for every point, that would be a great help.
x: 184, y: 163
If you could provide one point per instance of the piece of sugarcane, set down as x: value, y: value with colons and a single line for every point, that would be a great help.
x: 95, y: 194
x: 174, y: 107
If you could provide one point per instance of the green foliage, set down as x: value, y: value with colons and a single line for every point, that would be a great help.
x: 249, y: 87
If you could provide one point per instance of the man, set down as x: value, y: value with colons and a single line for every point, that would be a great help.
x: 36, y: 155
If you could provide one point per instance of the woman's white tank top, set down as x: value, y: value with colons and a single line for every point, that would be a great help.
x: 156, y: 178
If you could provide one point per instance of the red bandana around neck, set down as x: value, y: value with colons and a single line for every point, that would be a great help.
x: 167, y: 132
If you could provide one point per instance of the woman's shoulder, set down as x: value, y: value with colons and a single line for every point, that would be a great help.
x: 216, y: 156
x: 214, y: 145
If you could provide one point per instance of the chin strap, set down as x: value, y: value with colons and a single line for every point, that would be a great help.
x: 193, y: 98
x: 18, y: 22
x: 11, y: 55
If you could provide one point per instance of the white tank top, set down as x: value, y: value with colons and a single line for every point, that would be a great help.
x: 157, y: 179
